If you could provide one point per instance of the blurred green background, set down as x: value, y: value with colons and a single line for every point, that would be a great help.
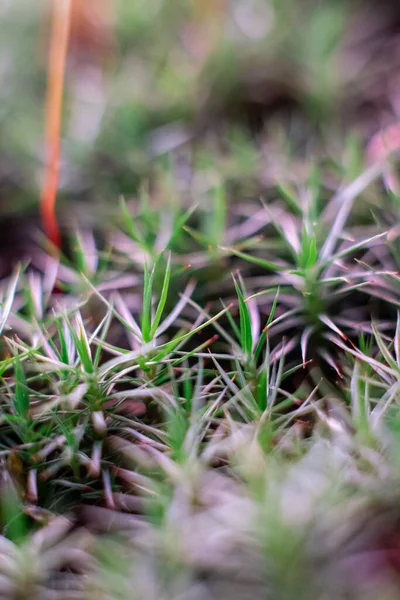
x: 182, y: 87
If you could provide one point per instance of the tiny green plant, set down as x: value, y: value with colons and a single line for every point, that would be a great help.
x: 314, y: 278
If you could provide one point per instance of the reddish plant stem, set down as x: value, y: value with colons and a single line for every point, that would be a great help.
x: 60, y: 28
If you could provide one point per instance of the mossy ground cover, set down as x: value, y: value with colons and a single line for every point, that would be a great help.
x: 199, y: 395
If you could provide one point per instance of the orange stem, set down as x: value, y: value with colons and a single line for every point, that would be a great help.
x: 60, y: 29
